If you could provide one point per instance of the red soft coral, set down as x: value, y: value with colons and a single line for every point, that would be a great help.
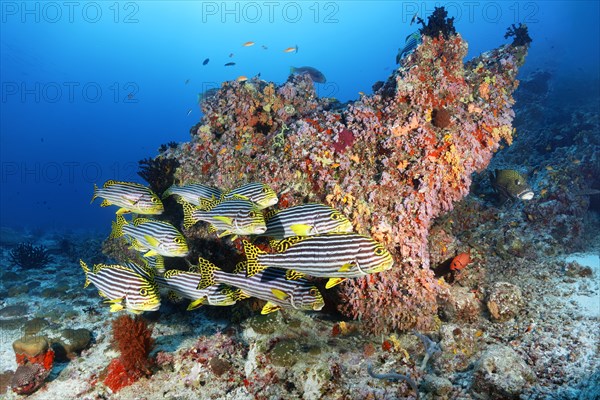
x: 133, y: 338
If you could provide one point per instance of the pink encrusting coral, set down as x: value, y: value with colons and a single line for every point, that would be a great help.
x: 381, y: 160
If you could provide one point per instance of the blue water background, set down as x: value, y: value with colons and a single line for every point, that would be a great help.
x: 90, y: 88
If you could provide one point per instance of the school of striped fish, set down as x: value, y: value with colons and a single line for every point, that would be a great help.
x: 307, y: 241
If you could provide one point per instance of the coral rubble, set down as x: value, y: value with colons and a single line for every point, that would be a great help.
x: 392, y: 161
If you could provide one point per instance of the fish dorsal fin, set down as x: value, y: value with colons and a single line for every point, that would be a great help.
x: 105, y: 203
x: 269, y: 308
x: 240, y: 267
x: 280, y: 294
x: 286, y: 243
x: 109, y: 183
x: 270, y: 214
x: 139, y: 221
x: 292, y: 275
x: 206, y: 204
x: 172, y: 273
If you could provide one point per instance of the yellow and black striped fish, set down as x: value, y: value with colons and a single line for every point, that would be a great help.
x: 306, y: 220
x: 123, y: 287
x: 185, y: 284
x: 130, y: 197
x: 229, y: 217
x: 193, y: 192
x: 259, y: 193
x: 151, y: 236
x: 270, y: 285
x: 332, y: 255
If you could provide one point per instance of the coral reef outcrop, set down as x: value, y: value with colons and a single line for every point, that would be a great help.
x: 392, y: 161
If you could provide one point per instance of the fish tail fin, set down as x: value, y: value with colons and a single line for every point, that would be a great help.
x: 86, y: 270
x: 188, y: 210
x: 252, y: 252
x: 117, y: 227
x: 95, y: 196
x: 207, y: 273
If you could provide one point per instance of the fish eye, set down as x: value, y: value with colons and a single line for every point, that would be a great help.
x: 379, y: 251
x: 252, y: 214
x: 154, y: 199
x: 313, y: 291
x: 265, y: 189
x: 143, y: 292
x: 336, y: 216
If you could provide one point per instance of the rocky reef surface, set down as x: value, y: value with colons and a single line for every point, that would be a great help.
x: 520, y: 320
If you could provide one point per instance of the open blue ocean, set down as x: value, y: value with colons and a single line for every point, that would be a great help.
x: 299, y: 200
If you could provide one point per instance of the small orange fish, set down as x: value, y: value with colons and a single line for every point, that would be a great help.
x: 248, y: 44
x: 242, y: 78
x: 291, y: 49
x: 460, y: 261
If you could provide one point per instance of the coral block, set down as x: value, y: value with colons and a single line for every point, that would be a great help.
x: 397, y: 171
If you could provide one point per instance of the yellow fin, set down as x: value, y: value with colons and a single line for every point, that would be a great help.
x: 139, y: 221
x: 122, y: 211
x: 151, y: 253
x: 269, y: 308
x: 116, y: 307
x: 221, y: 218
x: 105, y: 203
x: 301, y: 229
x: 346, y: 267
x: 152, y: 240
x: 136, y: 312
x: 333, y: 281
x: 280, y: 294
x: 195, y: 304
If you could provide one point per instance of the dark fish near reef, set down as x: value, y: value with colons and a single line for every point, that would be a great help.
x: 130, y: 197
x: 411, y: 43
x: 184, y: 284
x: 205, y: 61
x: 193, y: 192
x: 123, y: 287
x: 511, y: 184
x: 305, y: 220
x: 315, y: 74
x: 270, y: 285
x: 259, y: 193
x: 229, y: 217
x: 151, y: 236
x: 333, y: 255
x: 229, y: 64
